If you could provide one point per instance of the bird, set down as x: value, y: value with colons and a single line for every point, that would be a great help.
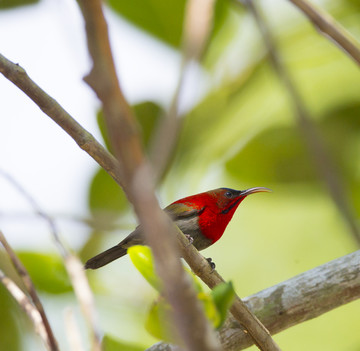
x: 203, y: 218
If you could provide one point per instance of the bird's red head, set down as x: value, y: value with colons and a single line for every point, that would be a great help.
x: 217, y: 208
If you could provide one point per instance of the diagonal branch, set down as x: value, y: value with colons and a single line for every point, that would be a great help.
x: 301, y: 298
x: 330, y: 28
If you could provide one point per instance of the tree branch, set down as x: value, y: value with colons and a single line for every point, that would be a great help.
x: 303, y: 297
x: 330, y: 28
x: 138, y: 185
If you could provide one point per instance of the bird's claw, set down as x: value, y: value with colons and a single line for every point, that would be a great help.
x: 190, y: 238
x: 211, y: 263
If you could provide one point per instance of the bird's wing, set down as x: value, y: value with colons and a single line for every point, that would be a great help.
x: 181, y: 211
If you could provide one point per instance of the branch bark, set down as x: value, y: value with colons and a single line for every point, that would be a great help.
x: 301, y: 298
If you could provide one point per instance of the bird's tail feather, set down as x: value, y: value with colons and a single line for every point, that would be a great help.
x: 105, y: 257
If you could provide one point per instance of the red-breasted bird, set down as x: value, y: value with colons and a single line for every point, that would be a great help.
x: 202, y: 217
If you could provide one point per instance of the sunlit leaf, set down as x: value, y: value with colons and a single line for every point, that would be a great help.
x: 142, y: 259
x: 46, y: 271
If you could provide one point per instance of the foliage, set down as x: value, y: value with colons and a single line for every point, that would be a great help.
x: 216, y: 303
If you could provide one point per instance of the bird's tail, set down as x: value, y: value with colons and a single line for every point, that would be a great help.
x: 105, y: 257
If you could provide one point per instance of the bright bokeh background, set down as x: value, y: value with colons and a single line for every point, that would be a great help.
x: 239, y: 132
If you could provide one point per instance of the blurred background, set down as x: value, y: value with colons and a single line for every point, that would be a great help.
x: 239, y: 130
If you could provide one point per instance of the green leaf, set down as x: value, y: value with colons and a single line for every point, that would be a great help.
x: 164, y: 19
x: 223, y: 296
x: 157, y: 323
x: 148, y: 115
x: 46, y: 271
x: 106, y: 199
x: 7, y: 4
x: 142, y: 259
x: 160, y: 18
x: 111, y: 344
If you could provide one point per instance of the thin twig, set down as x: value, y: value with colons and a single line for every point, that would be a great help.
x: 330, y: 28
x: 301, y: 298
x: 72, y: 264
x: 28, y: 307
x: 316, y: 147
x: 138, y: 184
x: 25, y: 277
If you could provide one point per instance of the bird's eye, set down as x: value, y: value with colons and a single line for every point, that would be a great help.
x: 228, y: 194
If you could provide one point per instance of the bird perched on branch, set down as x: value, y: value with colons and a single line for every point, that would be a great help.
x: 202, y: 217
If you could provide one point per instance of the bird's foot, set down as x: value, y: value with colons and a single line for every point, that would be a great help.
x: 190, y: 238
x: 211, y: 263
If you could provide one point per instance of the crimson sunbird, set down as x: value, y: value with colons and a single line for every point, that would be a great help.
x: 202, y: 217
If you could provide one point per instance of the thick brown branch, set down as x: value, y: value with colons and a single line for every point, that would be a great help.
x: 330, y: 28
x: 303, y: 297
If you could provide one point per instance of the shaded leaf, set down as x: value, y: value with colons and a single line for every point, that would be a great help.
x: 142, y: 259
x: 46, y: 271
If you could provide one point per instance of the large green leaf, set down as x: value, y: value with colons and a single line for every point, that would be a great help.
x: 47, y: 271
x: 223, y: 296
x: 163, y: 19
